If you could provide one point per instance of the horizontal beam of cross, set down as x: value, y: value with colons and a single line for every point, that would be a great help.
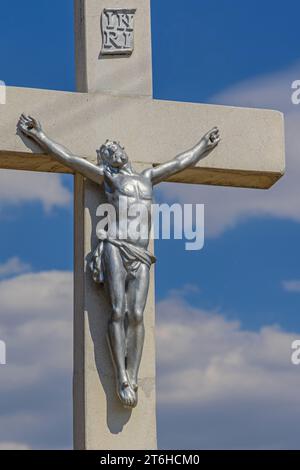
x: 251, y: 153
x: 36, y: 162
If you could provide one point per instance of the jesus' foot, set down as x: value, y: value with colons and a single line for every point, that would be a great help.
x: 133, y: 381
x: 126, y: 394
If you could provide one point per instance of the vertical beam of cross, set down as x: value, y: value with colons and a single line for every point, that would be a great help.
x: 100, y: 421
x: 108, y: 74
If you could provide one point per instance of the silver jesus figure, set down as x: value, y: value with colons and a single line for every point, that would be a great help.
x: 121, y: 261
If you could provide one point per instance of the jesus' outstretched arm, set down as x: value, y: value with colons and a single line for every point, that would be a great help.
x: 186, y: 159
x: 32, y: 128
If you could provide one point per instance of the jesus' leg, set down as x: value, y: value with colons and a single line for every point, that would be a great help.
x: 137, y: 290
x: 115, y: 281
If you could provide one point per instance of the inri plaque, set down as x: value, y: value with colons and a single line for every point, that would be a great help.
x: 117, y: 31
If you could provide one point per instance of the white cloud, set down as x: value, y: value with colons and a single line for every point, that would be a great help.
x: 185, y: 290
x: 217, y: 360
x: 13, y: 446
x: 291, y: 286
x: 225, y: 207
x: 13, y: 266
x: 207, y: 363
x: 36, y: 324
x: 38, y: 293
x: 35, y: 393
x: 19, y: 187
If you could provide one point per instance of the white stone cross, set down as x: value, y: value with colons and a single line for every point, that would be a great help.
x: 114, y: 100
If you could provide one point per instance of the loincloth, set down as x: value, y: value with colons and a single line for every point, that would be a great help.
x: 132, y: 257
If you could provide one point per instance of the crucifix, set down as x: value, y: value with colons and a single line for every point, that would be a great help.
x: 114, y: 100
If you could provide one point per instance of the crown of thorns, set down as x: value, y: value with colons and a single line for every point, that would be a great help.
x: 108, y: 146
x: 112, y: 143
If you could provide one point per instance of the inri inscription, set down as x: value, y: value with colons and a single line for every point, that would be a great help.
x: 117, y: 31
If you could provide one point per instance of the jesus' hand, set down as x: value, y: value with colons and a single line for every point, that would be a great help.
x: 30, y: 126
x: 211, y: 139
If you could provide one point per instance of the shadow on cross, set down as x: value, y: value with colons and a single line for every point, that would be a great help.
x: 98, y: 310
x: 29, y: 143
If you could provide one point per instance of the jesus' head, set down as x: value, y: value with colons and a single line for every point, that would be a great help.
x: 112, y: 154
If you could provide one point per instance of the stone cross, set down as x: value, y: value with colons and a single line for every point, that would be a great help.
x: 114, y: 100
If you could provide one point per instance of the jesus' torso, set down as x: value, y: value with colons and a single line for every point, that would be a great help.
x: 133, y: 193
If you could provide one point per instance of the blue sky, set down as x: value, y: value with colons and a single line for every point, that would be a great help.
x: 228, y: 52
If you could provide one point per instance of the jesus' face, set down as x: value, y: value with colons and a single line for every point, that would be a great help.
x: 113, y: 154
